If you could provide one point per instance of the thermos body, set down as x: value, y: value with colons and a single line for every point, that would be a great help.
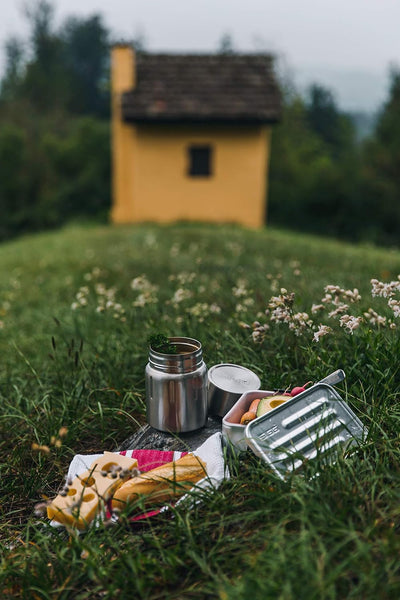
x: 176, y: 387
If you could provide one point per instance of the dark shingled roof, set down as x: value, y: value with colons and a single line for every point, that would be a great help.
x: 203, y: 88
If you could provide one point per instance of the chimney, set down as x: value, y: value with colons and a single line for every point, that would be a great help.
x: 123, y: 79
x: 123, y: 68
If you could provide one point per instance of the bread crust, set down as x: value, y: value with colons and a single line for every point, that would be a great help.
x: 165, y: 483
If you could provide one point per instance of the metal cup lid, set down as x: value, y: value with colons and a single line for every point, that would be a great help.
x: 233, y: 378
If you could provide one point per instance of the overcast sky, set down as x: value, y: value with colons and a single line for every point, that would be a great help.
x: 348, y: 45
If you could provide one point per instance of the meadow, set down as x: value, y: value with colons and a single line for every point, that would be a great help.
x: 76, y: 309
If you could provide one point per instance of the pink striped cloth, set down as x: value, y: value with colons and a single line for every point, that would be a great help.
x: 148, y: 460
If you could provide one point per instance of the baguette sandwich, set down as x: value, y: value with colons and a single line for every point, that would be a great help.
x: 165, y: 483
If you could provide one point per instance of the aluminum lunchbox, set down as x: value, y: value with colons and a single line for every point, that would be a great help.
x: 315, y: 423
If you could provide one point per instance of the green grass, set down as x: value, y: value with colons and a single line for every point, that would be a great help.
x: 334, y: 537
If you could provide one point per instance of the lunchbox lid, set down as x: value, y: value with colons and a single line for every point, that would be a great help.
x: 315, y: 423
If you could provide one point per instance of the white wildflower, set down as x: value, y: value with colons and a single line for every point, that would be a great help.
x: 180, y: 295
x: 248, y: 301
x: 144, y: 298
x: 275, y: 285
x: 315, y: 308
x: 384, y: 290
x: 100, y: 289
x: 184, y: 278
x: 142, y: 284
x: 374, y: 318
x: 352, y: 295
x: 350, y: 322
x: 327, y: 299
x: 257, y: 336
x: 334, y: 290
x: 299, y: 322
x: 201, y: 310
x: 150, y: 240
x: 284, y: 300
x: 339, y: 310
x: 214, y: 308
x: 280, y: 315
x: 321, y: 331
x: 395, y: 306
x: 240, y: 290
x: 259, y: 331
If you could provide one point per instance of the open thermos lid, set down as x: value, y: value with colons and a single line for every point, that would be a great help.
x: 226, y: 383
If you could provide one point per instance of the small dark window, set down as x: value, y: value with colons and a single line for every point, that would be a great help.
x: 200, y: 161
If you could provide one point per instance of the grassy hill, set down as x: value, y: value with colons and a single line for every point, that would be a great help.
x: 76, y: 309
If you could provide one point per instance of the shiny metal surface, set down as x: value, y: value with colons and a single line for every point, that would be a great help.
x: 314, y: 424
x: 176, y: 387
x: 226, y: 383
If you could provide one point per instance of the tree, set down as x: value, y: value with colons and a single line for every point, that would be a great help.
x: 46, y: 81
x: 312, y: 188
x: 325, y: 119
x: 14, y: 69
x: 65, y: 69
x: 54, y: 152
x: 86, y: 55
x: 226, y: 45
x: 382, y: 167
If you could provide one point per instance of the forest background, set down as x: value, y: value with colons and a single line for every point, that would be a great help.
x: 55, y: 142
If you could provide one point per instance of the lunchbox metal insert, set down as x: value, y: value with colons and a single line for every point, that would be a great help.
x: 316, y: 422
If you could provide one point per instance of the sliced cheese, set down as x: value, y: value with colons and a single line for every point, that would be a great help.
x: 81, y: 501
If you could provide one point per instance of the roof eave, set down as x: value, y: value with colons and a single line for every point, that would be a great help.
x: 201, y: 120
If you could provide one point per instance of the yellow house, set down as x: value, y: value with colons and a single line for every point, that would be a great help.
x: 191, y: 136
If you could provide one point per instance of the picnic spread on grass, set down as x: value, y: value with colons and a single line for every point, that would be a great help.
x: 205, y: 414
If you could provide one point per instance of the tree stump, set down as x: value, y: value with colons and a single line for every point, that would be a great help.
x: 149, y: 438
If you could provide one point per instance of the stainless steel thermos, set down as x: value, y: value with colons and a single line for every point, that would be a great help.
x: 176, y: 387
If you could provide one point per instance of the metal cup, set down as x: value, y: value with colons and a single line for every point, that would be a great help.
x: 226, y: 383
x: 176, y: 387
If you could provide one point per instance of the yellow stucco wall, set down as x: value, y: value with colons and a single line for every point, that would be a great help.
x: 163, y: 190
x: 150, y: 167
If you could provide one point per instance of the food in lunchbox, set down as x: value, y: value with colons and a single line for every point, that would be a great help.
x: 299, y: 389
x: 79, y: 502
x: 260, y: 406
x: 162, y: 484
x: 270, y: 402
x: 251, y: 413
